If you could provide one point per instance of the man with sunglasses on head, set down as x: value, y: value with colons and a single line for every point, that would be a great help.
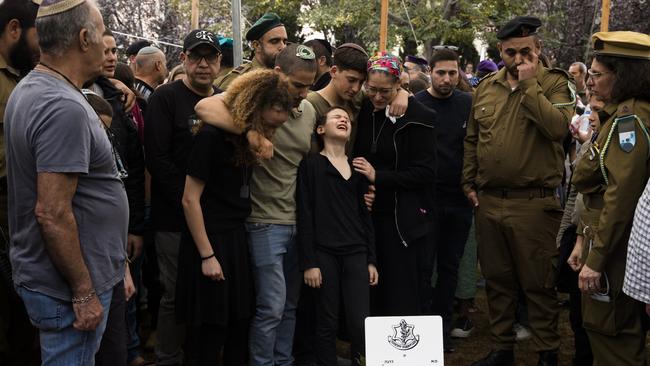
x: 168, y: 141
x: 513, y: 164
x: 267, y: 38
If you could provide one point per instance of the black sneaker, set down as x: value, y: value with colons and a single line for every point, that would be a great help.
x: 463, y: 327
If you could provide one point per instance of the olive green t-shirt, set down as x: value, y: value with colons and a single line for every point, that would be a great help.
x: 322, y: 106
x: 273, y: 183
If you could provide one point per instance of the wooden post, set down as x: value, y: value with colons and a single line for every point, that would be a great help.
x: 383, y: 26
x: 195, y: 14
x: 604, y: 17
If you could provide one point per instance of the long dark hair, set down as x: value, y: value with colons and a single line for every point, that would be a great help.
x: 632, y: 77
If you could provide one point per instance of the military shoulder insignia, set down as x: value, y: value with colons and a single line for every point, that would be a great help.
x: 626, y: 132
x: 486, y: 77
x: 556, y: 70
x: 241, y: 68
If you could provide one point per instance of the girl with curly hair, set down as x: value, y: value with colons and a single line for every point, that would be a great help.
x: 215, y: 285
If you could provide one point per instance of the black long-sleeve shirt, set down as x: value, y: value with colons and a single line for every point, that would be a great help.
x: 451, y: 126
x: 168, y: 142
x: 331, y: 213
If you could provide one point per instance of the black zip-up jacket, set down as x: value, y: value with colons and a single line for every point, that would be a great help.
x: 127, y: 144
x: 413, y: 175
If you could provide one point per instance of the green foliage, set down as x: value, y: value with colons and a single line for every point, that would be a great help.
x: 434, y: 21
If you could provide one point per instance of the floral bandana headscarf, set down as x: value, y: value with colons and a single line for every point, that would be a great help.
x: 385, y: 62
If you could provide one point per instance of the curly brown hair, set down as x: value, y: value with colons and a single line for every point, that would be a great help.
x: 247, y: 97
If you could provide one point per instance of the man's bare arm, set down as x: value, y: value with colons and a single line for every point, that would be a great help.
x: 213, y: 111
x: 59, y: 229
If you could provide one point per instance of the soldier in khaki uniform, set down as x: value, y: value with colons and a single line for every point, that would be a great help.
x: 513, y: 164
x: 18, y: 53
x: 612, y: 176
x: 268, y: 37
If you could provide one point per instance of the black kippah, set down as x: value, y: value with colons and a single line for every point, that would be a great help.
x: 519, y: 27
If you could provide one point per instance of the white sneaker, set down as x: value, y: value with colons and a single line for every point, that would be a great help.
x: 521, y: 333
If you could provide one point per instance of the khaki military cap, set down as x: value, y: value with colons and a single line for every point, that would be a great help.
x: 622, y: 44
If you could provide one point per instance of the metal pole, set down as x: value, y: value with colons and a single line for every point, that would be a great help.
x: 195, y: 14
x: 383, y: 26
x: 604, y: 17
x: 237, y: 48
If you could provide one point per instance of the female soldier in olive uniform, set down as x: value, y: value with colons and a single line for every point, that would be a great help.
x: 611, y: 177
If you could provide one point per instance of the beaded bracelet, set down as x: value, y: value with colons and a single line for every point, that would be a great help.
x: 83, y: 300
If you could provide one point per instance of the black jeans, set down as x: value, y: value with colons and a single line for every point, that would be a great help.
x: 452, y: 225
x: 204, y: 344
x: 346, y: 280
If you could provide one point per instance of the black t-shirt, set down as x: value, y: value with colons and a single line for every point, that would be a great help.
x: 143, y: 88
x: 225, y: 201
x: 451, y: 125
x: 168, y: 141
x: 331, y: 213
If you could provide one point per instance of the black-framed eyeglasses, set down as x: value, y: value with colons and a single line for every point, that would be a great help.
x: 371, y: 90
x: 196, y: 58
x: 445, y: 47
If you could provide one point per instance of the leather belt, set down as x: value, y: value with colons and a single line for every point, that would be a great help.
x: 519, y: 193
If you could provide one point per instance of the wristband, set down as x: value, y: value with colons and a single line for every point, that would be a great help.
x: 208, y: 257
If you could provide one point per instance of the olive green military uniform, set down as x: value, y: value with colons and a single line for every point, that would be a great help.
x: 8, y: 80
x: 514, y: 160
x: 223, y: 82
x: 221, y: 75
x: 612, y: 180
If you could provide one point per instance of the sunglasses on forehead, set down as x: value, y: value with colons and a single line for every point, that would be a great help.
x: 305, y: 53
x: 445, y: 47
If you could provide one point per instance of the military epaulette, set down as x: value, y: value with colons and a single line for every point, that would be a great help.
x: 557, y: 70
x: 485, y: 77
x: 570, y: 84
x: 241, y: 69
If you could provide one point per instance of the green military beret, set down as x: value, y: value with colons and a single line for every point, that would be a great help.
x: 264, y: 24
x: 622, y: 44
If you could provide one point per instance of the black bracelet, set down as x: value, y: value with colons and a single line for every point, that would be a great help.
x: 208, y: 257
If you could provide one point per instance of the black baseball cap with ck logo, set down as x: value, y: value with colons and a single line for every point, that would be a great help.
x: 198, y: 37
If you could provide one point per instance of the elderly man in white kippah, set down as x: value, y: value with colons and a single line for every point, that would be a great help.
x: 68, y: 210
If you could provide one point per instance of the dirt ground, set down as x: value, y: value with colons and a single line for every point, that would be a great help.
x: 478, y: 344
